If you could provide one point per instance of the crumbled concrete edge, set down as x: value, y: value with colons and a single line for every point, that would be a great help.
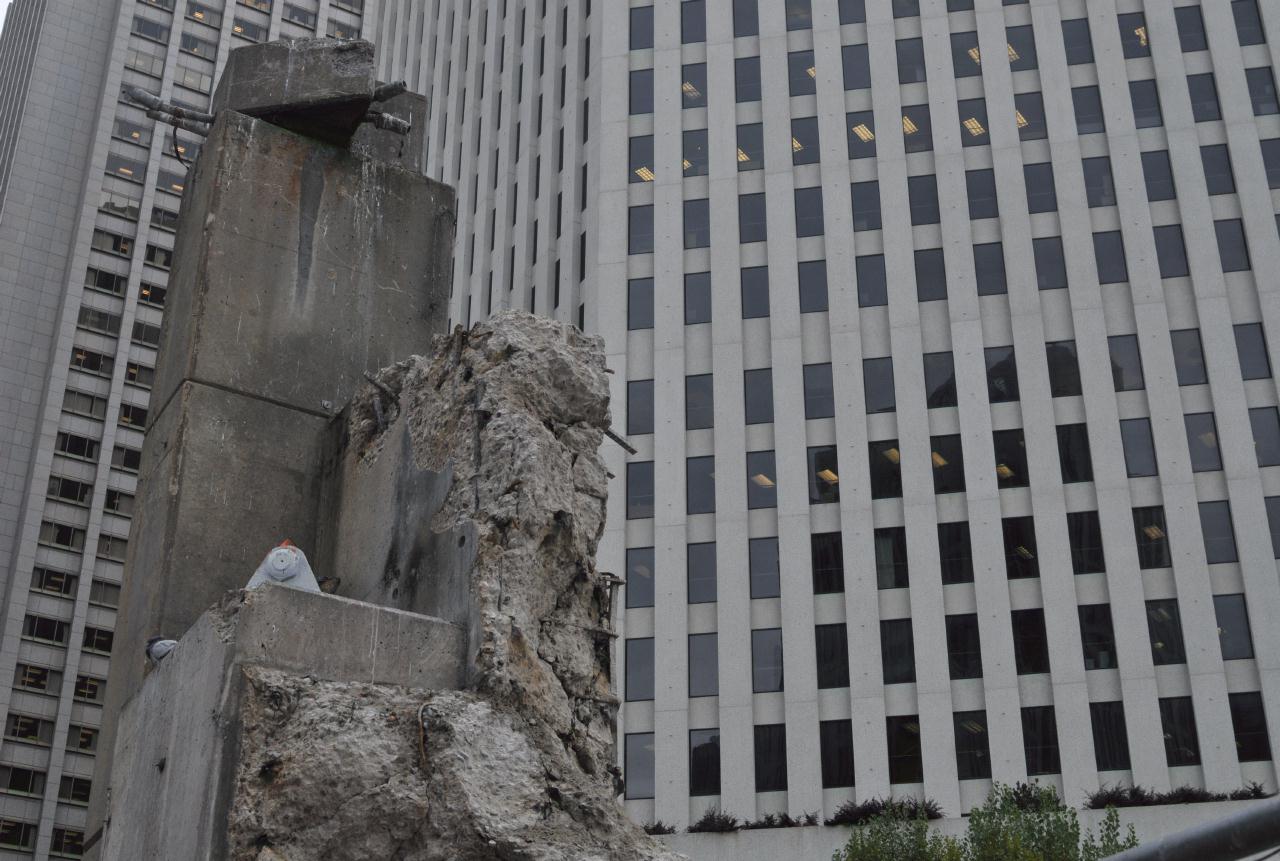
x: 522, y: 764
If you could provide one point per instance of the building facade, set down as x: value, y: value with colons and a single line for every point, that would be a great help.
x: 943, y: 333
x: 938, y: 327
x: 89, y: 194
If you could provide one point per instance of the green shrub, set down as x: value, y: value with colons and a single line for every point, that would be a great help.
x: 1024, y: 822
x: 781, y: 820
x: 1140, y: 796
x: 851, y: 813
x: 714, y: 820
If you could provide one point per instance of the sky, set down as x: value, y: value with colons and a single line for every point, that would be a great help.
x: 4, y: 7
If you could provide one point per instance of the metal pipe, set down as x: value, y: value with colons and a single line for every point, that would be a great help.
x: 1240, y: 835
x: 390, y: 91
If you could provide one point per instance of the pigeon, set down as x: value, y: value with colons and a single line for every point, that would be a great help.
x: 158, y: 648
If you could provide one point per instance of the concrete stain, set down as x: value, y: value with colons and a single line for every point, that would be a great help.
x: 309, y: 199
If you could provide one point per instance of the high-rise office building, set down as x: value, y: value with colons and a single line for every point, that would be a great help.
x: 943, y: 333
x: 937, y: 325
x: 89, y: 194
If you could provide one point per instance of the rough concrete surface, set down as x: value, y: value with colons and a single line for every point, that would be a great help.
x: 521, y: 764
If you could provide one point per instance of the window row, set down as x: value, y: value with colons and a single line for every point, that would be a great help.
x: 971, y: 730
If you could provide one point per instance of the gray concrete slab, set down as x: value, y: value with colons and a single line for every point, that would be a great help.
x: 178, y: 740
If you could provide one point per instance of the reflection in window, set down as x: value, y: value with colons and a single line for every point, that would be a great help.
x: 802, y: 74
x: 862, y: 137
x: 1152, y: 537
x: 886, y: 472
x: 750, y: 146
x: 1020, y: 557
x: 762, y: 480
x: 704, y: 762
x: 1202, y: 441
x: 1178, y: 719
x: 974, y: 126
x: 824, y: 475
x: 1265, y: 422
x: 1233, y: 627
x: 693, y: 85
x: 1011, y: 458
x: 1133, y: 35
x: 1064, y: 369
x: 1073, y: 453
x: 973, y: 756
x: 1126, y: 362
x: 1165, y: 628
x: 948, y: 463
x: 1002, y: 375
x: 640, y: 564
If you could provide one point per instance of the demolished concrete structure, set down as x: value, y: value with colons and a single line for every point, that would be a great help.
x: 454, y: 699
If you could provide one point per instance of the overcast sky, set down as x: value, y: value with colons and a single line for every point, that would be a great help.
x: 4, y: 7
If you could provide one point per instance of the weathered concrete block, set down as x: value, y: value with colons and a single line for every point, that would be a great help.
x: 318, y: 87
x: 318, y: 263
x: 180, y: 740
x: 409, y: 150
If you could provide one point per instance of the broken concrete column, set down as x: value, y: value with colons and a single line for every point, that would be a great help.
x: 300, y: 265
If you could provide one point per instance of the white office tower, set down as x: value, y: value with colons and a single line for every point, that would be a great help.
x: 942, y: 328
x: 89, y: 194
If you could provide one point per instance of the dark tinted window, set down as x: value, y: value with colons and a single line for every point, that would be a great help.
x: 639, y: 407
x: 640, y: 576
x: 1216, y: 161
x: 1002, y: 375
x: 873, y: 283
x: 764, y: 566
x: 1030, y: 643
x: 766, y: 660
x: 886, y: 475
x: 835, y: 740
x: 639, y: 490
x: 1234, y: 635
x: 697, y: 298
x: 866, y: 205
x: 1233, y: 249
x: 1011, y: 458
x: 693, y: 21
x: 1020, y: 557
x: 1262, y: 90
x: 988, y: 262
x: 1171, y: 251
x: 1139, y: 447
x: 1088, y: 110
x: 746, y: 79
x: 639, y: 765
x: 1021, y: 48
x: 917, y: 129
x: 1271, y: 161
x: 1249, y: 722
x: 1042, y: 193
x: 1251, y: 348
x: 801, y: 73
x: 762, y: 480
x: 832, y: 644
x: 804, y: 140
x: 1073, y: 453
x: 640, y: 303
x: 1178, y: 718
x: 704, y: 675
x: 819, y: 397
x: 771, y: 758
x: 891, y: 557
x: 1029, y: 113
x: 755, y: 292
x: 877, y: 379
x: 758, y: 391
x: 1145, y: 97
x: 1108, y: 252
x: 922, y: 199
x: 641, y: 91
x: 1164, y: 625
x: 699, y: 405
x: 1188, y: 357
x: 1204, y: 97
x: 1084, y: 534
x: 905, y: 762
x: 1191, y: 35
x: 1151, y: 536
x: 704, y: 762
x: 700, y: 490
x: 981, y: 187
x: 1099, y: 187
x: 809, y: 221
x: 1158, y: 174
x: 1202, y: 440
x: 827, y: 557
x: 640, y: 669
x: 1219, y: 536
x: 812, y: 280
x: 1051, y: 263
x: 641, y: 27
x: 964, y: 650
x: 1110, y: 739
x: 973, y: 756
x: 857, y: 67
x: 752, y: 224
x: 966, y: 59
x: 1133, y: 35
x: 911, y: 67
x: 1040, y: 740
x: 931, y: 274
x: 799, y: 14
x: 939, y: 380
x: 640, y: 230
x: 1064, y: 369
x: 1097, y: 637
x: 948, y: 464
x: 1075, y: 35
x: 1126, y: 362
x: 700, y: 565
x: 955, y: 552
x: 824, y: 474
x: 897, y: 649
x: 1248, y: 22
x: 746, y: 18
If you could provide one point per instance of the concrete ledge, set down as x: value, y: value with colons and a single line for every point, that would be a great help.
x: 178, y: 741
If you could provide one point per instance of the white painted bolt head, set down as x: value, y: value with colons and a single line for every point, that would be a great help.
x: 281, y: 563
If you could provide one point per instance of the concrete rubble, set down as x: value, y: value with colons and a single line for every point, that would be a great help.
x: 520, y: 763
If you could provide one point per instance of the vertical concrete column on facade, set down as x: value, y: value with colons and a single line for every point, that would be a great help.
x: 1136, y: 684
x: 730, y: 435
x: 1045, y: 498
x: 910, y: 423
x: 990, y: 592
x: 1243, y: 296
x: 1175, y: 484
x: 789, y: 354
x: 673, y: 527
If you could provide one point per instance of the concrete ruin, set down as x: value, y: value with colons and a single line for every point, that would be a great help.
x: 453, y: 699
